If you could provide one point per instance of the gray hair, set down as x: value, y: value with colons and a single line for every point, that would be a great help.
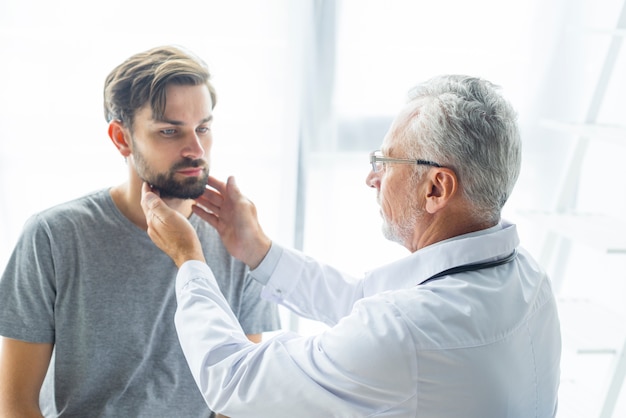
x: 465, y: 124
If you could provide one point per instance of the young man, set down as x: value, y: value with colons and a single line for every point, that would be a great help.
x: 87, y: 299
x: 465, y: 326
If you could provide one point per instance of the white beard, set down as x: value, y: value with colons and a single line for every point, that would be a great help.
x: 400, y: 234
x: 403, y: 233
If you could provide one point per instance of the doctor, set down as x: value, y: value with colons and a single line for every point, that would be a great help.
x: 465, y: 326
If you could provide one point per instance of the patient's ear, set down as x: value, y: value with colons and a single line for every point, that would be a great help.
x: 442, y: 186
x: 120, y: 136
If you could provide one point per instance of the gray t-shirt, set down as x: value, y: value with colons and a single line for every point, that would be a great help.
x: 85, y: 278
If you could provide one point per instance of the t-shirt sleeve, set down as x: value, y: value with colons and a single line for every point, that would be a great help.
x: 27, y: 286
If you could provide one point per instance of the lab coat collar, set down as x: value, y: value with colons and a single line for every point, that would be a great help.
x: 476, y: 247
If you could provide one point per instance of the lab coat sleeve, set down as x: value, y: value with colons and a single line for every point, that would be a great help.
x: 307, y: 287
x: 357, y: 368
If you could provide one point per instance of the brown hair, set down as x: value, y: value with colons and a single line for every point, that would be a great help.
x: 142, y: 79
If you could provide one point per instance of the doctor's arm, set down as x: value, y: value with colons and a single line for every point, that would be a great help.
x: 347, y: 370
x: 23, y: 367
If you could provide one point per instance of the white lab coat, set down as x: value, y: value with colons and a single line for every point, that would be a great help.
x: 477, y: 344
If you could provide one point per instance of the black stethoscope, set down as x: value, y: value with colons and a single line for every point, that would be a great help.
x: 472, y: 267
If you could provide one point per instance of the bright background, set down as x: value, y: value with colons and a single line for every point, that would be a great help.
x: 307, y: 88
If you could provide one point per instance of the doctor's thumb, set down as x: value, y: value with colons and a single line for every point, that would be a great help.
x: 149, y: 199
x: 231, y: 185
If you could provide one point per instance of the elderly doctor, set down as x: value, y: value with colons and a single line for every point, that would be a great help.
x: 465, y: 326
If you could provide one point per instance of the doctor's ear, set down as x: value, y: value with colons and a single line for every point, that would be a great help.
x: 443, y: 185
x: 120, y: 136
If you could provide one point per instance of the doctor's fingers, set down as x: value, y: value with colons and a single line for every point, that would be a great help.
x: 211, y: 199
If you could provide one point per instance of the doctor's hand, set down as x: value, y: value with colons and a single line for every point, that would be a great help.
x: 235, y: 219
x: 169, y: 229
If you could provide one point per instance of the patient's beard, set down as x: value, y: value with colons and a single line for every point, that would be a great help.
x: 166, y: 183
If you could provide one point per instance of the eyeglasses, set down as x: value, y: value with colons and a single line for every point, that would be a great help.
x: 379, y: 162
